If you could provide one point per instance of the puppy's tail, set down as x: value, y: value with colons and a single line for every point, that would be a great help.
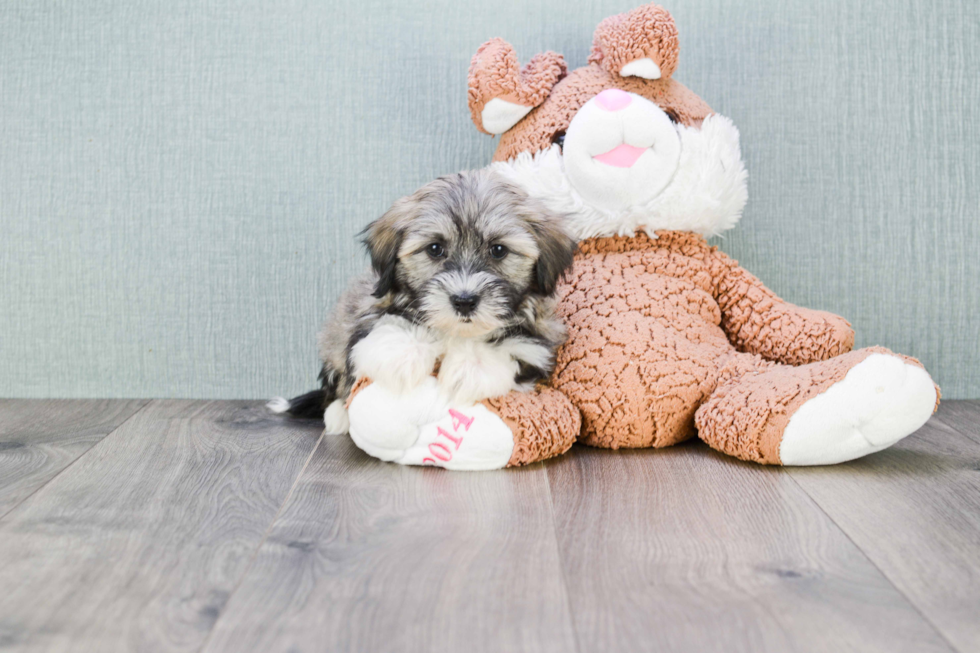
x: 312, y: 405
x: 309, y: 406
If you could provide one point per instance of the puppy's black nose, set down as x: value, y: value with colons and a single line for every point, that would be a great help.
x: 464, y: 304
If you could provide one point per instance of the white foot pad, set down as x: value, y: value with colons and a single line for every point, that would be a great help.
x: 423, y: 428
x: 881, y: 400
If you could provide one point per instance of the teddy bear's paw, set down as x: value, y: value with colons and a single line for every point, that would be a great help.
x: 881, y: 400
x: 469, y: 438
x: 422, y: 428
x: 384, y: 424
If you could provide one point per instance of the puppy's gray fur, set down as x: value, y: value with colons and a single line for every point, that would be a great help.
x: 441, y: 242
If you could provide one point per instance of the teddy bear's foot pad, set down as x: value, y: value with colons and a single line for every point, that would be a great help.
x: 422, y: 428
x: 881, y: 400
x: 468, y: 438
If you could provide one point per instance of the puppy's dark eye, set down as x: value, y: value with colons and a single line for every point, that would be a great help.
x: 559, y: 139
x: 436, y: 250
x: 498, y: 251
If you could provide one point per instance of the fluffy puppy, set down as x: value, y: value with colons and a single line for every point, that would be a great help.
x: 463, y: 274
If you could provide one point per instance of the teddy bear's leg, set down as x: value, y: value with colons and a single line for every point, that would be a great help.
x: 818, y: 414
x: 640, y: 396
x: 423, y: 428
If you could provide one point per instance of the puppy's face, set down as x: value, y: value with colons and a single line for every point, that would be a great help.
x: 466, y: 251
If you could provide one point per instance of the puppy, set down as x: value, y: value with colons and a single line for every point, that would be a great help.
x: 462, y: 278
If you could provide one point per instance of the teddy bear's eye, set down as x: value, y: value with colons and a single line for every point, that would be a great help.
x: 559, y: 139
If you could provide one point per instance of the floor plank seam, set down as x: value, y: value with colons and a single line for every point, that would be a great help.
x: 146, y: 402
x: 972, y: 437
x: 261, y: 543
x: 561, y: 562
x: 908, y: 599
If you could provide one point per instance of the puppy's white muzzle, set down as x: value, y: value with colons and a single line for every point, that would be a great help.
x: 620, y: 150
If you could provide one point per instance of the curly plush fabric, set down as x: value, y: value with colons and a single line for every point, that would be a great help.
x: 544, y: 423
x: 495, y: 73
x: 654, y: 322
x: 757, y: 321
x: 646, y: 31
x: 539, y: 127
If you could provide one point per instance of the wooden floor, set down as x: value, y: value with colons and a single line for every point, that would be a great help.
x: 213, y: 526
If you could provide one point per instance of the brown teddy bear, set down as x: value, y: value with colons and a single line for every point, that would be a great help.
x: 668, y: 337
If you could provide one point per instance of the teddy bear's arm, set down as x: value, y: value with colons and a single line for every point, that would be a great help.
x: 758, y: 322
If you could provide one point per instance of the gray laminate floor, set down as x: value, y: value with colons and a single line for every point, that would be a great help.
x: 214, y: 526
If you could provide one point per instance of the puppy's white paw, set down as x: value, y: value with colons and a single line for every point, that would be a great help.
x: 335, y: 418
x: 472, y: 371
x: 879, y: 401
x: 396, y: 354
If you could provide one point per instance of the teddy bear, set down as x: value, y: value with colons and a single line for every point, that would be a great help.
x: 668, y: 338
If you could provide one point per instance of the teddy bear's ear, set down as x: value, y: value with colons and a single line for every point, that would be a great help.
x: 639, y: 43
x: 500, y: 93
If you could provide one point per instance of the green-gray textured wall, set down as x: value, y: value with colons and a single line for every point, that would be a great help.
x: 181, y: 182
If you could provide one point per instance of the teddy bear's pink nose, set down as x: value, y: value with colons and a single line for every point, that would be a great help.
x: 613, y: 99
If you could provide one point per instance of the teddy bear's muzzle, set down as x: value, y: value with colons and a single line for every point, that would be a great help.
x: 620, y: 150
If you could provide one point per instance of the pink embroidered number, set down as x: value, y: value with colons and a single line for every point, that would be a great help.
x: 440, y: 451
x: 457, y: 440
x: 446, y: 453
x: 460, y: 418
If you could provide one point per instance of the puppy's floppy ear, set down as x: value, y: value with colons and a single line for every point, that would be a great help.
x: 383, y: 238
x: 556, y: 249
